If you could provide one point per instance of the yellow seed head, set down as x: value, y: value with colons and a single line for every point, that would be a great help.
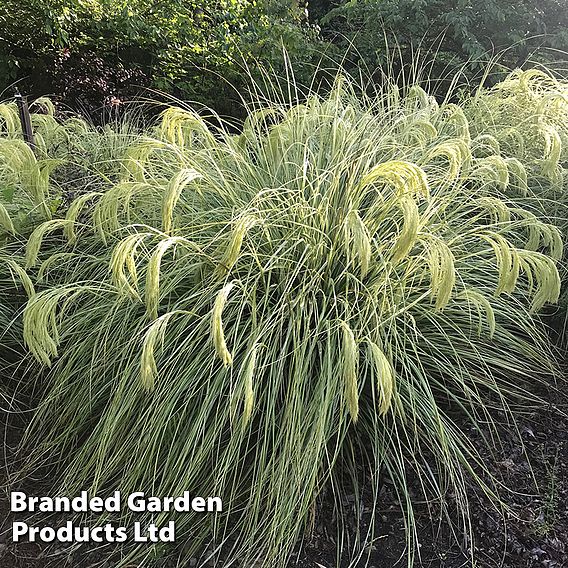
x: 406, y: 177
x: 217, y: 332
x: 552, y: 151
x: 384, y: 377
x: 453, y: 114
x: 519, y: 172
x: 457, y: 153
x: 73, y: 213
x: 154, y: 335
x: 357, y: 237
x: 409, y: 233
x: 22, y: 275
x: 543, y: 272
x: 41, y: 334
x: 441, y: 262
x: 153, y: 275
x: 124, y: 256
x: 231, y: 254
x: 6, y: 221
x: 9, y: 115
x: 508, y: 261
x: 350, y: 358
x: 487, y: 144
x: 36, y: 238
x: 172, y: 194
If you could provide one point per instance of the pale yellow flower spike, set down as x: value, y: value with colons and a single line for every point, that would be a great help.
x: 496, y: 166
x: 519, y: 173
x: 73, y: 213
x: 543, y: 270
x: 172, y: 194
x: 552, y: 151
x: 26, y: 281
x: 407, y: 178
x: 410, y: 227
x: 135, y: 159
x: 124, y: 255
x: 358, y: 237
x: 154, y: 335
x: 40, y: 323
x: 453, y: 113
x: 456, y: 151
x: 6, y: 220
x: 36, y: 238
x: 508, y: 262
x: 153, y: 275
x: 497, y: 208
x: 350, y: 357
x: 231, y: 255
x: 178, y: 125
x: 9, y: 114
x: 217, y: 332
x: 487, y: 141
x: 384, y: 376
x: 442, y: 272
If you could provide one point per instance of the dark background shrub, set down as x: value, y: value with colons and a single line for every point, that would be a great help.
x: 92, y: 53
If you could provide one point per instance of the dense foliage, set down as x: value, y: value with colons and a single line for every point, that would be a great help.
x: 95, y: 52
x: 70, y: 157
x: 346, y: 284
x: 525, y: 117
x: 447, y: 34
x: 91, y: 51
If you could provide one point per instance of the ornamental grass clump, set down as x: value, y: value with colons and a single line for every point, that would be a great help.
x: 15, y: 288
x: 335, y: 289
x: 525, y: 119
x: 70, y: 157
x: 24, y: 200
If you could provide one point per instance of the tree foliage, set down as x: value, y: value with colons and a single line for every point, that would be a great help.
x: 89, y: 50
x: 448, y: 33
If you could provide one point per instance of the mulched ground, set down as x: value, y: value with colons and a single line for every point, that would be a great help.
x: 533, y: 534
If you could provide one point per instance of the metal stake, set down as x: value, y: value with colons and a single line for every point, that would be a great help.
x: 25, y: 120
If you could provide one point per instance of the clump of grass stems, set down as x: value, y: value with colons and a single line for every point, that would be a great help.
x: 240, y: 315
x: 15, y: 288
x: 70, y: 157
x: 525, y: 117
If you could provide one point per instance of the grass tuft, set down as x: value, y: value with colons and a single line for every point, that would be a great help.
x: 347, y: 284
